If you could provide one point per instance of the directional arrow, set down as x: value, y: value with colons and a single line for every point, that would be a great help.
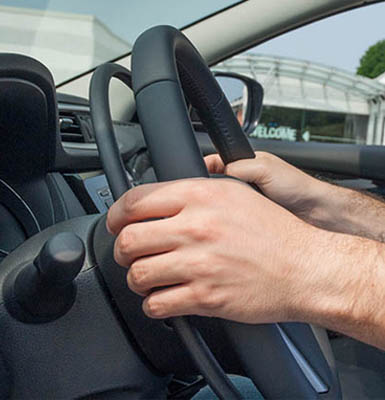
x: 306, y: 136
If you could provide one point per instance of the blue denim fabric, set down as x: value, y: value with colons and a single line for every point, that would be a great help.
x: 244, y: 385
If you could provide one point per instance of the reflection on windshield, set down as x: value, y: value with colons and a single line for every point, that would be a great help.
x: 67, y: 43
x: 72, y: 36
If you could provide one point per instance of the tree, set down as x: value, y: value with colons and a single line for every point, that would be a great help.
x: 372, y: 63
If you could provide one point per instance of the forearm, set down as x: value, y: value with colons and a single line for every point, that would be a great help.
x: 344, y: 210
x: 345, y: 287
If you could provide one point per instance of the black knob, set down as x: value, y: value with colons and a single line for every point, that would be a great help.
x: 44, y: 289
x: 61, y: 259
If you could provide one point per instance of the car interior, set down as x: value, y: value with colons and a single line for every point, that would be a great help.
x: 69, y: 326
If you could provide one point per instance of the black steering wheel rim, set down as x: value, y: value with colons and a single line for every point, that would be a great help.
x: 158, y: 88
x: 165, y: 67
x: 116, y: 176
x: 163, y: 63
x: 104, y: 130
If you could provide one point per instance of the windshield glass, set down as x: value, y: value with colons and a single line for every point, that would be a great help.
x: 73, y: 36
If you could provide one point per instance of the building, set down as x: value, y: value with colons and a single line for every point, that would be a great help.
x: 68, y: 44
x: 310, y: 101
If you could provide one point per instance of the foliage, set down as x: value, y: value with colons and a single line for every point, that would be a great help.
x: 372, y: 63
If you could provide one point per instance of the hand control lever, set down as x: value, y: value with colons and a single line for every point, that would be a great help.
x: 44, y: 289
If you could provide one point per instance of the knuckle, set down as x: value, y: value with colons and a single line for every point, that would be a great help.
x: 123, y: 248
x: 197, y: 231
x: 125, y: 240
x: 202, y: 270
x: 207, y: 298
x: 208, y: 303
x: 130, y: 201
x: 137, y: 276
x: 154, y: 308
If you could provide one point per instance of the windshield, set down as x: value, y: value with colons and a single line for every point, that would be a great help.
x: 73, y: 36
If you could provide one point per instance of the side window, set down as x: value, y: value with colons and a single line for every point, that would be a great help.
x: 324, y: 82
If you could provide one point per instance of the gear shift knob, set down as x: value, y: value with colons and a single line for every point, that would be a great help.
x: 44, y: 289
x: 60, y: 260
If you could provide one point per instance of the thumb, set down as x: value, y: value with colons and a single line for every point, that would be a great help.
x: 250, y: 170
x: 214, y: 164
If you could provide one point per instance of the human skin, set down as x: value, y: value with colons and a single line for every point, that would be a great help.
x: 320, y: 203
x: 221, y: 249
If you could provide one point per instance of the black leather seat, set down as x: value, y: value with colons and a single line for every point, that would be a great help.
x: 32, y: 197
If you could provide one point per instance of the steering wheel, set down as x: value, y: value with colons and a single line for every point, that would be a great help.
x: 289, y: 360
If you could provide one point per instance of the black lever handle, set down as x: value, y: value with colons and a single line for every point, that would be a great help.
x: 44, y: 289
x: 60, y: 260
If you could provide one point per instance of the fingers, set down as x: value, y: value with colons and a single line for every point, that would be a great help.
x: 249, y: 170
x: 145, y: 238
x: 153, y: 272
x: 169, y: 302
x: 252, y: 170
x: 167, y: 199
x: 214, y: 164
x: 179, y: 300
x: 156, y: 200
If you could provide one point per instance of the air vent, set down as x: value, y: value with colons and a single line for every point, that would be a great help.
x: 70, y: 129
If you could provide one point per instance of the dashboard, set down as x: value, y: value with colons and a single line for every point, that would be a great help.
x: 76, y: 185
x: 79, y: 153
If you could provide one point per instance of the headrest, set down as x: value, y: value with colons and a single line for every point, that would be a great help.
x: 28, y: 118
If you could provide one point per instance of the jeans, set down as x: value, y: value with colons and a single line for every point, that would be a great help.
x: 244, y: 385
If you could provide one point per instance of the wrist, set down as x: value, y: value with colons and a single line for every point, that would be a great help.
x: 327, y: 206
x: 343, y: 289
x: 343, y: 210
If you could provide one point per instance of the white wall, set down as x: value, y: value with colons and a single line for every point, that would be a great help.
x: 68, y: 44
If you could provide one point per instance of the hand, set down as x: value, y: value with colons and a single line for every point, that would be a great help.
x: 221, y: 249
x: 281, y: 182
x: 218, y: 248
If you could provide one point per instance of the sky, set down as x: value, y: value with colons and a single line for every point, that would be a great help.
x: 338, y: 41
